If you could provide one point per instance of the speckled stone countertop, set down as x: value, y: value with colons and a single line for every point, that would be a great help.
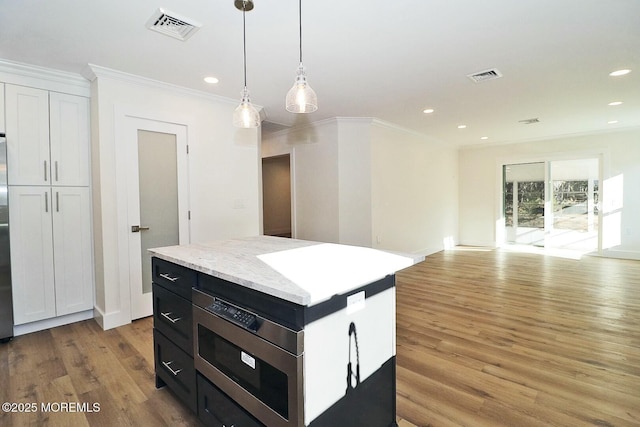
x: 299, y: 271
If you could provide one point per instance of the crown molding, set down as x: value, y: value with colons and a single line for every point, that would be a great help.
x: 371, y: 121
x: 396, y: 128
x: 93, y: 72
x: 43, y: 78
x: 559, y: 137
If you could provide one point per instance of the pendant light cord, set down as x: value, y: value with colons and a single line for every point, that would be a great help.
x: 244, y: 43
x: 300, y: 23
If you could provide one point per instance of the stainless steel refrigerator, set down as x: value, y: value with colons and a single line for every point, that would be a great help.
x: 6, y: 306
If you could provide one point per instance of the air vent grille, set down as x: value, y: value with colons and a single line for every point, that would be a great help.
x: 529, y: 121
x: 483, y: 76
x: 172, y: 24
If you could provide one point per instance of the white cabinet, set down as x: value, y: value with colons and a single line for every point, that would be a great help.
x: 27, y: 116
x: 47, y: 137
x: 72, y: 248
x: 2, y: 127
x: 49, y: 202
x: 32, y: 268
x: 69, y: 139
x: 50, y: 251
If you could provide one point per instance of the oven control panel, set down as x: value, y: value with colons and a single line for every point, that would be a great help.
x: 234, y: 314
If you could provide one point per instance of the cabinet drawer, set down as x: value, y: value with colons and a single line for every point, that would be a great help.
x: 172, y: 315
x: 216, y: 409
x: 175, y: 368
x: 173, y: 277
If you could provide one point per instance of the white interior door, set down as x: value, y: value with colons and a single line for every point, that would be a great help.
x: 157, y: 202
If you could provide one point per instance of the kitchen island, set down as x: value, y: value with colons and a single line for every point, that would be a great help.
x: 284, y: 332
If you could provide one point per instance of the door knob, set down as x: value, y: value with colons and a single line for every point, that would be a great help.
x: 138, y: 228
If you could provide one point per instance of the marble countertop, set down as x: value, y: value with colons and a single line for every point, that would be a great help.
x: 299, y: 271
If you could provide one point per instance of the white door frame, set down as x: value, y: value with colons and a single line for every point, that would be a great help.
x: 141, y: 305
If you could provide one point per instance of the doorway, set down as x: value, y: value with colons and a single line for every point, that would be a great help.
x: 276, y: 195
x: 552, y: 204
x: 157, y: 201
x: 524, y: 203
x: 574, y: 213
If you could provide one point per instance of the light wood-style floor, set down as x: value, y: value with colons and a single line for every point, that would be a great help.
x: 81, y: 363
x: 493, y: 338
x: 485, y: 338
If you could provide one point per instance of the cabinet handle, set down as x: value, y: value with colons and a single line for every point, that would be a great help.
x: 166, y: 316
x: 46, y: 201
x: 166, y: 276
x: 56, y: 168
x: 57, y: 201
x: 175, y: 373
x: 45, y: 170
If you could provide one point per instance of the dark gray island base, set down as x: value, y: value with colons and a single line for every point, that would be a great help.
x: 243, y: 357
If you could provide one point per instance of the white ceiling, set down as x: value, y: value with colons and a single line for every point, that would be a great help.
x: 387, y: 59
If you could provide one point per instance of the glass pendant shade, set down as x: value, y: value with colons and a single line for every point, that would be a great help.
x: 301, y: 98
x: 246, y: 115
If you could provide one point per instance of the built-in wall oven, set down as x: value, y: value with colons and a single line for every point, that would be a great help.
x: 250, y: 357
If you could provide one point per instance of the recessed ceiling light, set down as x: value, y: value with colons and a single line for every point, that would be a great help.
x: 612, y: 122
x: 462, y: 126
x: 619, y: 73
x: 428, y: 110
x: 614, y: 103
x: 211, y: 80
x: 484, y: 137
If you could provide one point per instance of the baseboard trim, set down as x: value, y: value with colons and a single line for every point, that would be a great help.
x: 41, y: 325
x: 111, y: 320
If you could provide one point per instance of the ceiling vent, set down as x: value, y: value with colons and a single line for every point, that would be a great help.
x: 483, y: 76
x: 172, y: 24
x: 529, y: 121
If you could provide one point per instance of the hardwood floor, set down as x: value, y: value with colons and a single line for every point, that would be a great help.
x: 81, y: 363
x: 493, y: 338
x: 485, y: 338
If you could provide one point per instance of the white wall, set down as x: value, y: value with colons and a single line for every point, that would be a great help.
x: 223, y: 174
x: 354, y: 180
x: 415, y: 192
x: 358, y: 179
x: 480, y: 185
x: 314, y: 172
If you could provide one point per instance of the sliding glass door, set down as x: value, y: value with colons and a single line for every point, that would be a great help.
x: 524, y: 203
x: 574, y: 201
x: 552, y: 204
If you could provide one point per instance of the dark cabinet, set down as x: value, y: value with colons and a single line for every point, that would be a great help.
x: 216, y: 409
x: 175, y: 369
x: 173, y: 277
x: 173, y: 318
x: 173, y: 329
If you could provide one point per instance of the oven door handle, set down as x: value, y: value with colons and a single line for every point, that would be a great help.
x: 175, y: 373
x: 166, y: 316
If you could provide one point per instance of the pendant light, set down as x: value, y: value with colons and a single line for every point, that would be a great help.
x: 245, y: 115
x: 301, y: 98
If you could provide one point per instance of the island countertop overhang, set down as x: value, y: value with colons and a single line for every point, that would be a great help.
x: 299, y: 271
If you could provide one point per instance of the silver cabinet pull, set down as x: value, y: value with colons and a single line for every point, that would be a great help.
x: 166, y: 316
x: 56, y: 168
x: 166, y: 365
x: 138, y: 228
x: 57, y: 201
x: 46, y: 201
x: 166, y: 276
x: 45, y: 170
